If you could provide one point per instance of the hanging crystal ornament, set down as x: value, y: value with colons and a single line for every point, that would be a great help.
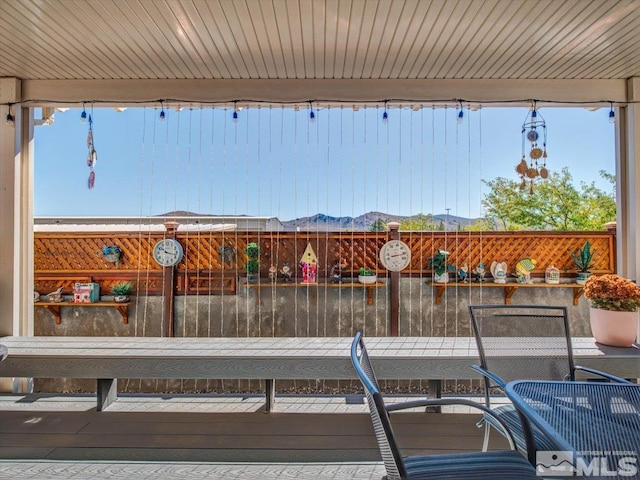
x: 534, y: 129
x: 92, y: 155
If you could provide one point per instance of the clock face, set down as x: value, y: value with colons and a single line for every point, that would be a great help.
x: 395, y: 255
x: 167, y: 252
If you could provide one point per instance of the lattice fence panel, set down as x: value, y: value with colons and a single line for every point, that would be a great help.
x: 80, y: 254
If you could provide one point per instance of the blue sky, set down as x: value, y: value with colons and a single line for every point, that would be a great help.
x: 275, y: 162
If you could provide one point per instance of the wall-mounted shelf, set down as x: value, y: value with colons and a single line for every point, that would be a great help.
x: 313, y: 287
x: 509, y: 288
x: 55, y: 308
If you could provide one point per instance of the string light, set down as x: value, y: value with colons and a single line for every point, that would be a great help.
x: 10, y: 120
x: 83, y: 115
x: 162, y: 114
x: 460, y: 114
x: 234, y: 117
x: 612, y: 115
x: 312, y: 115
x: 385, y: 115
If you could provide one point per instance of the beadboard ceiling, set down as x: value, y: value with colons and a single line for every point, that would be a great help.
x: 319, y: 39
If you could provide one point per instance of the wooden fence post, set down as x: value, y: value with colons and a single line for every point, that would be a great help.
x: 394, y: 288
x: 168, y: 291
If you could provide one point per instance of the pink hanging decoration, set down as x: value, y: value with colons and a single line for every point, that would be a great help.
x: 92, y: 155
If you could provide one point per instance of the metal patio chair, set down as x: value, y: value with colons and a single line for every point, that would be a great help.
x: 477, y: 465
x: 523, y: 342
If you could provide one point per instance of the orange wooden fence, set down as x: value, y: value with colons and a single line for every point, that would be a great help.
x: 213, y: 260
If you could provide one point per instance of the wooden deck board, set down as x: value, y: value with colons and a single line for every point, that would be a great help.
x: 179, y: 434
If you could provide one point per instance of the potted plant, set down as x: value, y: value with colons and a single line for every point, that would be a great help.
x: 367, y: 276
x: 253, y: 264
x: 582, y: 259
x: 613, y: 309
x: 121, y: 291
x: 440, y: 267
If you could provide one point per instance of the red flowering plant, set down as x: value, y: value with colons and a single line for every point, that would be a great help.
x: 612, y: 292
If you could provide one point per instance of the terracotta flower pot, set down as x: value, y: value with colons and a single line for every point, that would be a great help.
x: 618, y: 329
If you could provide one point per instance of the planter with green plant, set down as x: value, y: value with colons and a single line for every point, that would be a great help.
x: 367, y: 276
x: 253, y: 263
x: 441, y: 268
x: 121, y: 291
x: 582, y: 259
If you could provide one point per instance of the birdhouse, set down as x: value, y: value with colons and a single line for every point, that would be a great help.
x: 309, y: 265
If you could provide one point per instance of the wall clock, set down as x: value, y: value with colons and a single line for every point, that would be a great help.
x: 395, y: 255
x: 167, y: 252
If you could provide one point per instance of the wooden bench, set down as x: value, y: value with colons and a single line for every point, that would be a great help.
x: 394, y: 358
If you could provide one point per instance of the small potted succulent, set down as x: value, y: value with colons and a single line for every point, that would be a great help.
x: 367, y: 276
x: 253, y: 264
x: 582, y: 259
x: 121, y: 291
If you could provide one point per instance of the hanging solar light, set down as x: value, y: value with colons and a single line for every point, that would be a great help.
x: 612, y: 115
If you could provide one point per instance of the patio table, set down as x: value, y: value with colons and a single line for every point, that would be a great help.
x: 595, y: 426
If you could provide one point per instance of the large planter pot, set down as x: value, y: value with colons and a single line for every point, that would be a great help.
x: 618, y: 329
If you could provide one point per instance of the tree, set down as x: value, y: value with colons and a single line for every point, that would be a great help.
x: 419, y: 223
x: 555, y: 204
x: 379, y: 226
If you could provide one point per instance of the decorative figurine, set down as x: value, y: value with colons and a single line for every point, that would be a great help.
x: 55, y: 296
x: 523, y: 270
x: 286, y: 272
x: 499, y: 272
x: 336, y: 271
x: 479, y: 272
x: 309, y: 265
x: 463, y: 273
x: 273, y: 273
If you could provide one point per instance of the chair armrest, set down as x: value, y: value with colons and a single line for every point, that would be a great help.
x: 492, y: 376
x: 394, y: 407
x: 601, y: 374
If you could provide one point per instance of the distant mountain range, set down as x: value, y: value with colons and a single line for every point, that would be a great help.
x: 364, y: 222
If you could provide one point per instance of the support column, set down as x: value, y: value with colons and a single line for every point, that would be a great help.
x: 16, y: 218
x: 628, y: 183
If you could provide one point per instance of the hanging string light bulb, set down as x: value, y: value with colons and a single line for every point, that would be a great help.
x: 385, y: 115
x: 612, y: 115
x: 162, y: 114
x: 460, y: 114
x: 92, y: 155
x: 234, y: 117
x: 312, y: 114
x: 533, y: 128
x: 83, y: 115
x: 10, y: 119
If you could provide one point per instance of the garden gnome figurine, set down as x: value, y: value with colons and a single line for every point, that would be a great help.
x: 479, y: 271
x: 273, y: 272
x: 286, y: 272
x: 463, y: 273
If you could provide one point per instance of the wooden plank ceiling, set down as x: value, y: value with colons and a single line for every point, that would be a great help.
x: 319, y: 39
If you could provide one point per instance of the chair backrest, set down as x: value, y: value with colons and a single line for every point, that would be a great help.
x: 523, y: 341
x: 379, y: 416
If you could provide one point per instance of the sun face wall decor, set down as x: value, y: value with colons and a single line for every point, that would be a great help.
x: 534, y: 131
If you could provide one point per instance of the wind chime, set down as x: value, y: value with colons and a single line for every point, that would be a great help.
x: 92, y: 155
x: 533, y: 128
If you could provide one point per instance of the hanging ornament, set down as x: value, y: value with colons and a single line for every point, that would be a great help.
x: 534, y: 129
x: 92, y: 155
